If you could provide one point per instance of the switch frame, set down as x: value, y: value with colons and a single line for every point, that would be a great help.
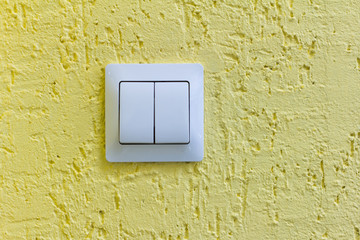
x: 193, y: 74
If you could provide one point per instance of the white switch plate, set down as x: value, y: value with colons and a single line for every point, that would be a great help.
x: 136, y: 122
x: 172, y: 112
x: 158, y: 73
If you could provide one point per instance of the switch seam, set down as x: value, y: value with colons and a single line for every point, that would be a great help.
x: 154, y: 114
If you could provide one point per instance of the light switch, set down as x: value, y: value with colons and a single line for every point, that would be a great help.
x: 136, y: 112
x: 172, y: 112
x: 154, y: 112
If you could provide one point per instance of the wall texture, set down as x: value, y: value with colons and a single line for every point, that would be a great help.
x: 282, y: 122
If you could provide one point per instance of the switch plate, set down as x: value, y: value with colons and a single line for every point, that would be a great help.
x: 172, y: 149
x: 172, y: 113
x: 136, y: 121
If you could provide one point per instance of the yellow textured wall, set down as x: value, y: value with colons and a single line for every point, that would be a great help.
x: 282, y: 122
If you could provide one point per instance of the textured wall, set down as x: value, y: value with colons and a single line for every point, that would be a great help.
x: 282, y: 122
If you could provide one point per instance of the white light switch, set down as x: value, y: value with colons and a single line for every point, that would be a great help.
x: 154, y: 112
x: 172, y: 112
x: 136, y: 112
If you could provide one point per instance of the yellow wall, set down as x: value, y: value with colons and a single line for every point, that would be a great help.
x: 282, y: 120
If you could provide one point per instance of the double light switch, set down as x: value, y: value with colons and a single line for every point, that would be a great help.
x: 155, y: 112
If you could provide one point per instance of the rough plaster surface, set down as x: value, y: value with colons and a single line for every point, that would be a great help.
x: 282, y: 122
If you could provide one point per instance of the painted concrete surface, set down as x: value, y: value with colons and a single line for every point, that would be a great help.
x: 282, y: 122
